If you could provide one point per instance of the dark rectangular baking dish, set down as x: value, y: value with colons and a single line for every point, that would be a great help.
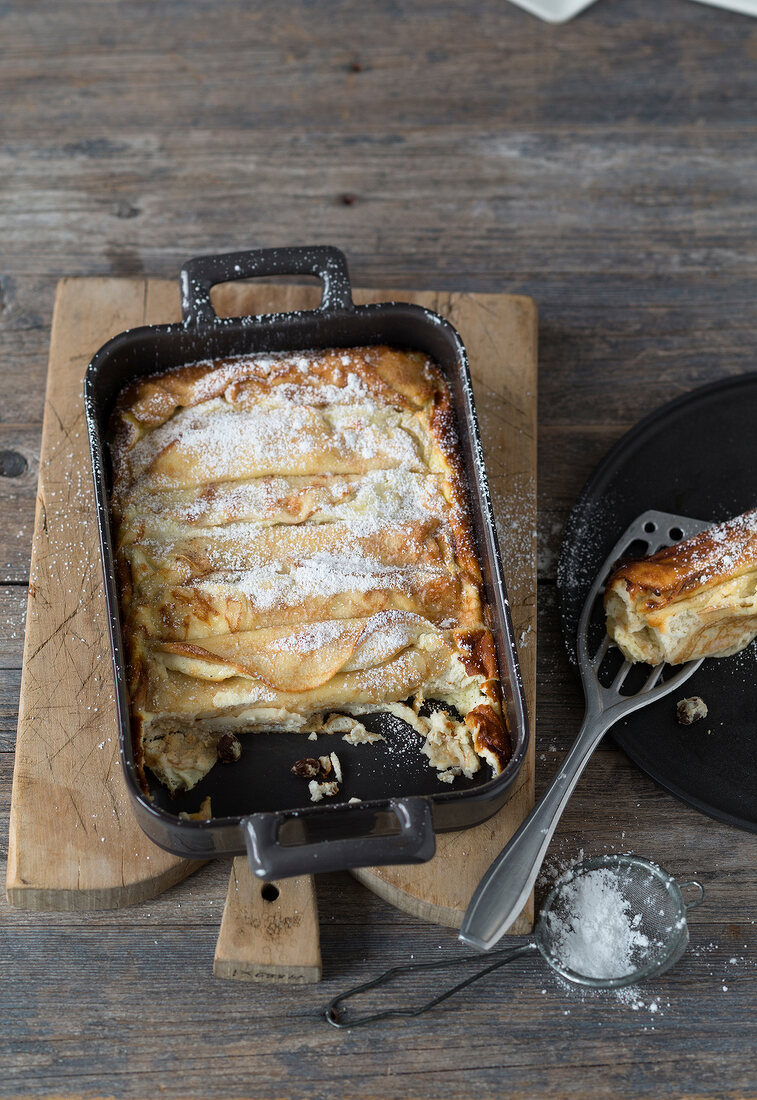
x: 257, y: 804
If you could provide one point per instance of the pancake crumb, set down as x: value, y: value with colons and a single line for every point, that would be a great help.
x: 322, y: 790
x: 689, y: 711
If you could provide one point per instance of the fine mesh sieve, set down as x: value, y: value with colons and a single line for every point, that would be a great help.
x: 650, y: 893
x: 652, y: 899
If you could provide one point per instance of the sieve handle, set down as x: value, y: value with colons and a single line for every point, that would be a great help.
x: 335, y: 1016
x: 503, y: 890
x: 698, y: 900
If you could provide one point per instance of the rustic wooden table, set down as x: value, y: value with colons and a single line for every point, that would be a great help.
x: 608, y: 168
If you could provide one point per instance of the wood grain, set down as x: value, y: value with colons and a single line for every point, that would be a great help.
x: 269, y: 930
x: 73, y: 839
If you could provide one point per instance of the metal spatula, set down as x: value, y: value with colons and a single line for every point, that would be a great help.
x: 503, y: 890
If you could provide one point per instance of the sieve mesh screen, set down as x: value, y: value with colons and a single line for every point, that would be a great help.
x: 613, y: 921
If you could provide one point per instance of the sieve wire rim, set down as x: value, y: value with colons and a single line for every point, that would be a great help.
x: 678, y: 937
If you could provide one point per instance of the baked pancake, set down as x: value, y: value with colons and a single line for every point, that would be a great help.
x: 294, y: 551
x: 695, y: 599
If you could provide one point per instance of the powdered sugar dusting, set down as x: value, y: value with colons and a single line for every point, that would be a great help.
x: 276, y: 584
x: 306, y: 485
x: 219, y: 442
x: 386, y: 634
x: 316, y: 636
x: 717, y: 552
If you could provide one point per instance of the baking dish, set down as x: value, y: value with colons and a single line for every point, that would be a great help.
x: 257, y: 804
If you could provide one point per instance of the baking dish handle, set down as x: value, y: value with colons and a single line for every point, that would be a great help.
x: 415, y: 843
x: 202, y: 273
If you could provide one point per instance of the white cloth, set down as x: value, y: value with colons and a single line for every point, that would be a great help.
x: 560, y: 11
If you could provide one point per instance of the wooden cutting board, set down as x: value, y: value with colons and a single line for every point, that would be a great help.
x: 74, y: 843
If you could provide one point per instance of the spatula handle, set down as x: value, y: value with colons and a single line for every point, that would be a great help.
x: 503, y: 890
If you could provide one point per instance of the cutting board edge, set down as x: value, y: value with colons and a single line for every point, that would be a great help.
x: 65, y: 900
x: 442, y: 915
x: 285, y: 975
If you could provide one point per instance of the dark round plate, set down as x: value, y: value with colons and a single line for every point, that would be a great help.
x: 697, y: 457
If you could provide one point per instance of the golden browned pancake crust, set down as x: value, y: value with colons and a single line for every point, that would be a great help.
x: 697, y: 598
x: 293, y: 541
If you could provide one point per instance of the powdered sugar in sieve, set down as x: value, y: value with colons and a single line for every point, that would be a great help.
x: 613, y: 921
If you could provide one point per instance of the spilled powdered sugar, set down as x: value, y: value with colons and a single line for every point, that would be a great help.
x: 600, y: 933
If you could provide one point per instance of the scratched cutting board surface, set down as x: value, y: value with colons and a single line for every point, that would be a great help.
x: 74, y: 843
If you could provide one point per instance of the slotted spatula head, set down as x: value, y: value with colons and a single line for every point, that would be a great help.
x: 648, y: 533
